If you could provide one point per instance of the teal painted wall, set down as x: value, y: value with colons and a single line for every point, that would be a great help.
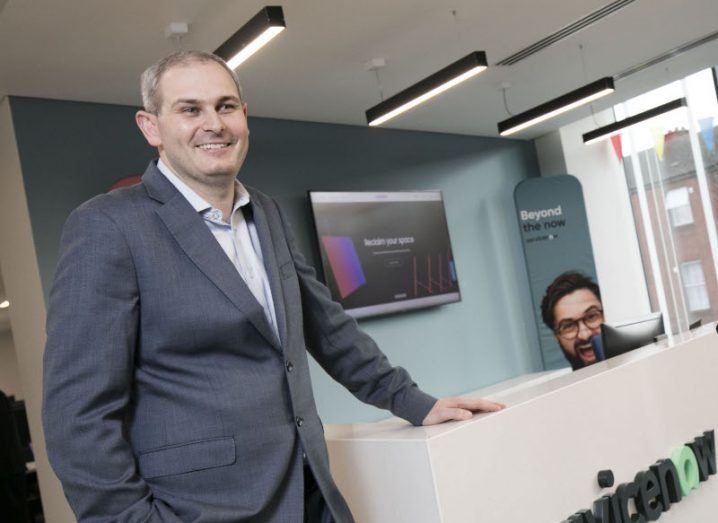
x: 71, y: 151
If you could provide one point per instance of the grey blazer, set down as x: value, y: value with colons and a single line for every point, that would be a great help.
x: 167, y: 395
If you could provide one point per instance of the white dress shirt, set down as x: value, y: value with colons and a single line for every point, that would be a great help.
x: 238, y: 240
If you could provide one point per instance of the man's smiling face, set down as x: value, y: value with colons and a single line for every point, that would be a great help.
x: 201, y: 127
x: 575, y: 308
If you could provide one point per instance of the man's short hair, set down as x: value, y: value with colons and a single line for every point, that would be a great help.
x: 563, y: 285
x: 151, y: 77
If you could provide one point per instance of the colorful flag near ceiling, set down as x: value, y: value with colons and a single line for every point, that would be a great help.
x: 706, y: 125
x: 617, y: 146
x: 658, y: 141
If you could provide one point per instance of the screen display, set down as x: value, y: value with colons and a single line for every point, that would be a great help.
x: 385, y: 252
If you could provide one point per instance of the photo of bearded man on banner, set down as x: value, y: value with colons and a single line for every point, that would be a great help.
x: 571, y: 308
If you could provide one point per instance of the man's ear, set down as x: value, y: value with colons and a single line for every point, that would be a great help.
x: 147, y: 122
x: 244, y: 108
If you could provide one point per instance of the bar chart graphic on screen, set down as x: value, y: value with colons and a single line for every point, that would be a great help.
x: 434, y: 274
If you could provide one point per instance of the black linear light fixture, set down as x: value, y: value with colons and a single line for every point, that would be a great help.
x: 615, y: 128
x: 252, y: 36
x: 451, y: 75
x: 562, y: 104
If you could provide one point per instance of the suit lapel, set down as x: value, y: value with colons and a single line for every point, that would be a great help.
x: 270, y: 264
x: 196, y: 240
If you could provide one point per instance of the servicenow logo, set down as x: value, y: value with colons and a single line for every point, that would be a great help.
x: 652, y: 491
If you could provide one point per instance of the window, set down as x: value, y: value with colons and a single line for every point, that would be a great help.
x: 678, y: 205
x: 694, y: 285
x: 671, y: 167
x: 670, y: 163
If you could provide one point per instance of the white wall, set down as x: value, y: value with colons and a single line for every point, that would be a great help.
x: 610, y: 219
x: 549, y: 152
x: 27, y: 313
x: 9, y: 373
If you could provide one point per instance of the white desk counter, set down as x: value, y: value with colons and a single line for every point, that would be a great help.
x: 537, y: 460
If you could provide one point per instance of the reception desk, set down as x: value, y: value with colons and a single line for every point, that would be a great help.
x: 537, y: 460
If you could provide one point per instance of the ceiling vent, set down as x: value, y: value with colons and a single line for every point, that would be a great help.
x: 565, y: 32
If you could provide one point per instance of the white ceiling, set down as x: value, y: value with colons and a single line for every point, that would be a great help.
x: 95, y: 50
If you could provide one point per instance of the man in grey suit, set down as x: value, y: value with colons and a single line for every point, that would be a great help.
x: 177, y: 386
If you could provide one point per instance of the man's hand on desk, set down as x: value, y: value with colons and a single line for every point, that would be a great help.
x: 458, y: 409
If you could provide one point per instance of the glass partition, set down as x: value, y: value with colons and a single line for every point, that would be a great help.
x: 671, y: 169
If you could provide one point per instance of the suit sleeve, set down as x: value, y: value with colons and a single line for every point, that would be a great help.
x: 92, y: 329
x: 349, y: 355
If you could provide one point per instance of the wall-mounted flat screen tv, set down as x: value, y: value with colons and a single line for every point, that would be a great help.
x: 385, y: 252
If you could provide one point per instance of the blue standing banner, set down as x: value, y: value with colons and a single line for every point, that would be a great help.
x: 556, y: 243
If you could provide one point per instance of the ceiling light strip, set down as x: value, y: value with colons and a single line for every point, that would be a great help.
x: 451, y: 75
x: 616, y: 127
x: 562, y: 104
x: 252, y: 36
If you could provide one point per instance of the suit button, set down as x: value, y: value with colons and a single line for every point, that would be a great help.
x: 290, y: 366
x: 299, y: 421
